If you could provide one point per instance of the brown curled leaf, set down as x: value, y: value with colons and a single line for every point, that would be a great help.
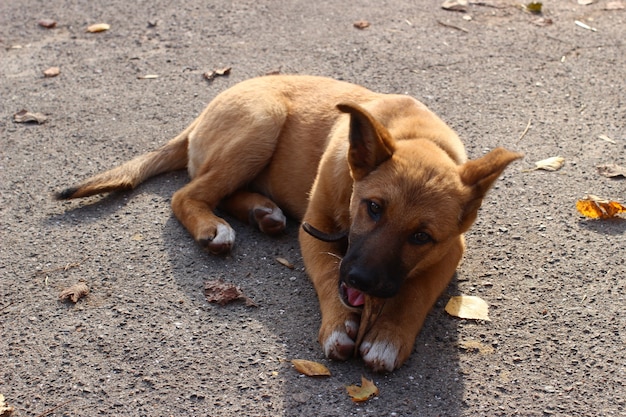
x: 363, y: 393
x: 285, y: 262
x: 74, y: 293
x: 361, y: 24
x: 310, y: 368
x: 222, y: 293
x: 211, y: 75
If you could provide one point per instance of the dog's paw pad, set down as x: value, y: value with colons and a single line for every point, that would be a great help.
x: 339, y: 346
x: 222, y: 242
x: 270, y: 221
x: 380, y: 356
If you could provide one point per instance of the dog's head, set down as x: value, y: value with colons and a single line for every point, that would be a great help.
x: 411, y: 203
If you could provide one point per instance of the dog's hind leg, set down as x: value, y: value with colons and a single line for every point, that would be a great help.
x: 229, y: 148
x: 256, y: 209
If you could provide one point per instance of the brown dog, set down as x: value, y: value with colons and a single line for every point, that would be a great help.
x: 385, y: 193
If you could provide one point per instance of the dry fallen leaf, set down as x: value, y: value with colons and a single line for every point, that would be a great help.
x: 363, y: 393
x: 585, y: 2
x: 474, y: 345
x: 52, y: 72
x: 615, y: 5
x: 24, y: 116
x: 148, y: 77
x: 612, y: 171
x: 284, y: 262
x: 47, y: 23
x: 74, y: 293
x: 534, y: 7
x: 455, y: 5
x: 598, y: 208
x: 5, y: 409
x: 137, y: 237
x: 211, y: 75
x: 310, y: 368
x: 98, y: 27
x: 550, y: 164
x: 361, y: 24
x: 468, y: 307
x: 222, y: 293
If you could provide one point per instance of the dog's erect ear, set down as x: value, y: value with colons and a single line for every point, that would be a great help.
x: 479, y: 175
x: 370, y: 142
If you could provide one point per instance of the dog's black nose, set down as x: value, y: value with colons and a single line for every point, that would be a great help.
x: 374, y: 282
x: 361, y: 279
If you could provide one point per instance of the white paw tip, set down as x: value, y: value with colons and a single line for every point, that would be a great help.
x: 380, y: 355
x: 336, y: 344
x: 225, y: 235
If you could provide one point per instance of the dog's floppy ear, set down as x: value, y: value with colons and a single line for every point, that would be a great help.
x: 370, y: 142
x: 479, y: 175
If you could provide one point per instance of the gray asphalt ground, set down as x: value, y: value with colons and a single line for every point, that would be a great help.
x: 145, y: 342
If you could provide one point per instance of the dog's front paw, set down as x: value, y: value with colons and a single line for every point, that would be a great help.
x: 380, y: 355
x: 338, y: 340
x: 384, y: 348
x: 218, y: 240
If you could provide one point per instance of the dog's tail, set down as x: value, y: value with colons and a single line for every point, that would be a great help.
x: 169, y: 157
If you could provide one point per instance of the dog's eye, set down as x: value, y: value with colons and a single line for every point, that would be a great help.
x: 420, y: 238
x: 374, y: 209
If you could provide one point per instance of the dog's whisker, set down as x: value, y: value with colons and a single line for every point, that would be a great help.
x: 334, y: 255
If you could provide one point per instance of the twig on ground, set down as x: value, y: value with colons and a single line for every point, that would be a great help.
x: 452, y: 26
x: 45, y: 413
x: 524, y: 132
x: 63, y: 268
x: 6, y: 306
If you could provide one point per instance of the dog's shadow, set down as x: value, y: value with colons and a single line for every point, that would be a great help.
x: 429, y: 383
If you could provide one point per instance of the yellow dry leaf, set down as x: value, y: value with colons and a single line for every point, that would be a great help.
x: 363, y: 393
x: 310, y: 368
x: 137, y: 237
x: 148, y: 77
x: 550, y: 164
x: 5, y: 409
x: 468, y: 307
x: 98, y: 27
x: 598, y: 208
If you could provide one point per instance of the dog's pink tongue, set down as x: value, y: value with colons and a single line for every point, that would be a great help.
x: 355, y: 297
